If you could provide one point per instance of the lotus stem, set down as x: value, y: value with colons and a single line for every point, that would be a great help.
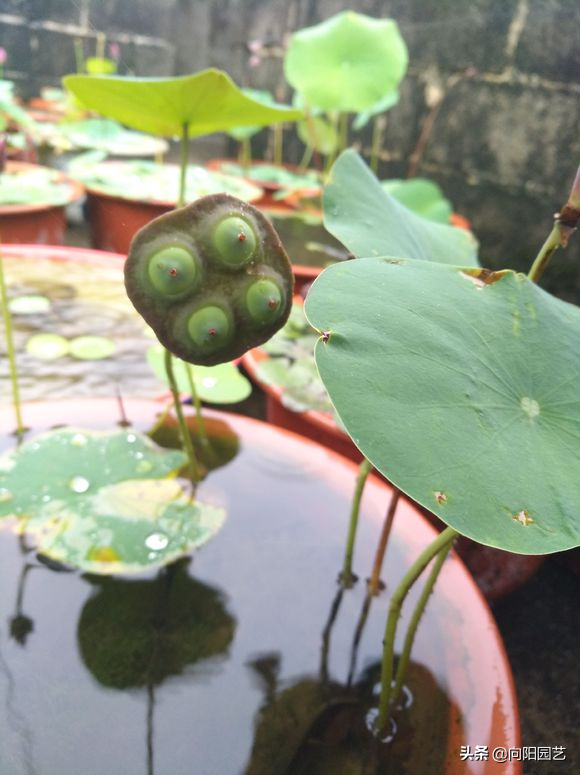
x: 278, y: 143
x: 327, y: 632
x: 376, y: 142
x: 306, y: 157
x: 11, y: 353
x: 346, y: 577
x: 79, y: 55
x: 565, y: 224
x: 342, y: 131
x: 197, y: 404
x: 360, y: 625
x: 183, y: 159
x: 375, y: 579
x: 183, y: 429
x: 443, y: 540
x: 405, y: 656
x: 245, y: 154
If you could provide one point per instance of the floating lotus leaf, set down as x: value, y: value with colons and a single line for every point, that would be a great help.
x: 47, y: 347
x: 462, y: 386
x: 346, y: 63
x: 221, y: 384
x: 211, y: 279
x: 133, y: 634
x: 422, y: 196
x: 29, y: 305
x: 206, y: 102
x: 102, y: 502
x: 91, y: 348
x: 370, y: 222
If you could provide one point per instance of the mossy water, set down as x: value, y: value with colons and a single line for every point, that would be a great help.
x: 225, y: 660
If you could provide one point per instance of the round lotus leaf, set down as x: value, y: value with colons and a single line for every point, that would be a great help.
x: 91, y: 348
x: 462, y: 386
x: 48, y: 347
x: 347, y: 63
x: 104, y: 502
x: 216, y: 315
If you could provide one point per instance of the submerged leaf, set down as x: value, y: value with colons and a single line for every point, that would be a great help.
x: 462, y: 386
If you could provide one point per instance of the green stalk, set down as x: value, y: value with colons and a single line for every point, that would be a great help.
x: 278, y: 143
x: 245, y: 155
x: 183, y: 429
x: 347, y: 577
x: 395, y: 606
x: 375, y: 579
x: 377, y: 140
x: 306, y: 158
x: 415, y: 619
x: 342, y: 131
x: 197, y: 404
x: 79, y: 56
x: 11, y: 352
x: 183, y: 159
x: 546, y: 252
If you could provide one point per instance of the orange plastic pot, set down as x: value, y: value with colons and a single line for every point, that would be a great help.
x: 40, y: 224
x: 273, y: 566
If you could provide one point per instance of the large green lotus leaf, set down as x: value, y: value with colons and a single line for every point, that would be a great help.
x: 422, y: 196
x: 221, y: 384
x: 105, y: 502
x: 206, y: 102
x: 370, y: 222
x: 346, y: 63
x: 462, y: 386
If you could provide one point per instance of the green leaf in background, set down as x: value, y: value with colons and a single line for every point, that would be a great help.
x: 370, y: 222
x: 347, y: 63
x: 422, y: 196
x: 240, y: 133
x: 103, y: 134
x: 462, y: 386
x: 34, y: 186
x: 319, y: 134
x: 29, y: 305
x: 100, y: 66
x: 103, y: 502
x: 91, y: 348
x: 206, y: 102
x: 47, y: 347
x: 221, y: 384
x: 386, y: 103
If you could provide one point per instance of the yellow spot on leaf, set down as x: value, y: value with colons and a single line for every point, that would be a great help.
x: 103, y: 554
x: 523, y: 518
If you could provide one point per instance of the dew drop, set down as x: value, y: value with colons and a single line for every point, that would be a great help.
x: 5, y: 495
x: 78, y: 440
x: 79, y: 484
x: 131, y: 438
x: 46, y: 499
x: 156, y: 541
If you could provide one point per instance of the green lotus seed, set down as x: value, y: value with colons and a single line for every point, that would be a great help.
x: 235, y: 241
x: 173, y: 270
x: 264, y: 301
x: 210, y: 328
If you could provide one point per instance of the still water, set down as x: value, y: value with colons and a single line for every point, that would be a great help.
x: 229, y: 662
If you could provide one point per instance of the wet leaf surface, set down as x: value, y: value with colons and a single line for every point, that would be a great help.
x: 104, y: 502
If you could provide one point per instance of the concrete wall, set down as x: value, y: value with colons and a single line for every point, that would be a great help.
x: 493, y: 85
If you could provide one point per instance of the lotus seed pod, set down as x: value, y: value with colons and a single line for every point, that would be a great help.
x: 212, y: 279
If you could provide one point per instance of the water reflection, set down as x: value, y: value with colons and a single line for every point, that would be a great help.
x: 136, y: 634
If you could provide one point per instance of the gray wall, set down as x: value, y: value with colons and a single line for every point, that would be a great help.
x: 504, y: 138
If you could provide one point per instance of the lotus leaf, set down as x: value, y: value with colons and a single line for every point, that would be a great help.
x: 208, y: 101
x: 347, y: 63
x: 104, y: 502
x: 462, y: 386
x: 370, y: 222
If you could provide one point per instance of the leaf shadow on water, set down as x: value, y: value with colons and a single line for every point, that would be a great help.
x: 315, y: 725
